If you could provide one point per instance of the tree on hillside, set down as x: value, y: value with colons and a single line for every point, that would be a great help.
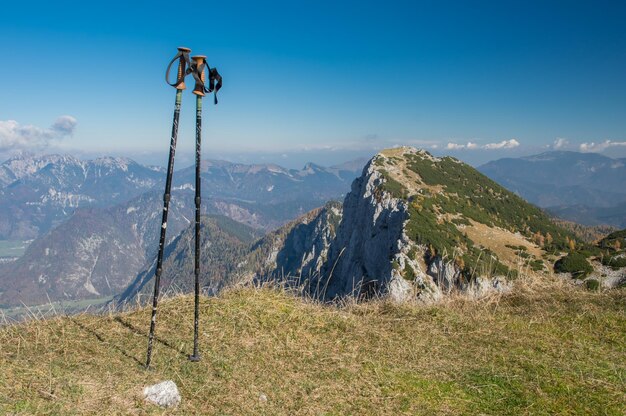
x: 570, y: 243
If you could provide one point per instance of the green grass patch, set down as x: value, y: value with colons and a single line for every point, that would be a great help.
x: 446, y: 240
x: 592, y: 284
x: 536, y: 265
x: 395, y: 188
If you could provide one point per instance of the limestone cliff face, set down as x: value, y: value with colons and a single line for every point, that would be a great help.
x: 306, y: 248
x: 297, y: 252
x: 369, y: 235
x: 371, y: 254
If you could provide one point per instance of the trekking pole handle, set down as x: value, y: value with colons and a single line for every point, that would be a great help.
x: 181, y: 67
x: 200, y: 65
x: 183, y: 60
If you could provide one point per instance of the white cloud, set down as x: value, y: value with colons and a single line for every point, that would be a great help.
x: 599, y: 147
x: 560, y: 143
x: 504, y: 144
x: 14, y: 136
x: 454, y: 146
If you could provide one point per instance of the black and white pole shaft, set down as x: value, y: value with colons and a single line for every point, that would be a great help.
x: 199, y: 91
x: 166, y: 202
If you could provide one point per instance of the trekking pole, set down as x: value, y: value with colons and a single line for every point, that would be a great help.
x: 183, y: 61
x: 198, y: 63
x: 198, y: 70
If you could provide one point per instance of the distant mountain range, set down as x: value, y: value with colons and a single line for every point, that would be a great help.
x: 100, y: 228
x: 584, y: 187
x: 39, y: 193
x: 269, y: 183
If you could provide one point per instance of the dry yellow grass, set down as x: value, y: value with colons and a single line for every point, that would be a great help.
x: 396, y: 167
x: 545, y: 349
x: 497, y: 239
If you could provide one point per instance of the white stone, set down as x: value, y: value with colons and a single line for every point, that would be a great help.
x: 164, y: 394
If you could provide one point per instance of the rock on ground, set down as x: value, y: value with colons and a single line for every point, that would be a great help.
x: 399, y: 290
x: 164, y: 394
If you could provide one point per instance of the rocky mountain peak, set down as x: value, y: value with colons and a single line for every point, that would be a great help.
x: 418, y: 226
x: 110, y: 162
x: 311, y: 168
x: 21, y: 166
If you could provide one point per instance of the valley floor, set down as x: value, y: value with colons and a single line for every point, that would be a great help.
x: 546, y: 350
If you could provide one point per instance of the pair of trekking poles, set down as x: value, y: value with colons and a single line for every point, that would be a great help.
x: 197, y: 67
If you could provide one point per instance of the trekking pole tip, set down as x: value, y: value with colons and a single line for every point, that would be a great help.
x: 199, y: 88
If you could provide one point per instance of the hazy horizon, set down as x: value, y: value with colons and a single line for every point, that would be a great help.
x: 290, y: 160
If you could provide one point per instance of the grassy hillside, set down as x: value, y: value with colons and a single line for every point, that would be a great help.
x: 550, y: 351
x: 448, y: 198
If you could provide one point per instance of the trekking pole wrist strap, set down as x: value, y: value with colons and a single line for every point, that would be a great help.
x: 215, y: 79
x: 184, y: 68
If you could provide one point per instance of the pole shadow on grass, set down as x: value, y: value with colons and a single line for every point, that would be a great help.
x: 104, y: 341
x: 137, y: 331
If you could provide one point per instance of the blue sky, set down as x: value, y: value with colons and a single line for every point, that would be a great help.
x: 320, y: 81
